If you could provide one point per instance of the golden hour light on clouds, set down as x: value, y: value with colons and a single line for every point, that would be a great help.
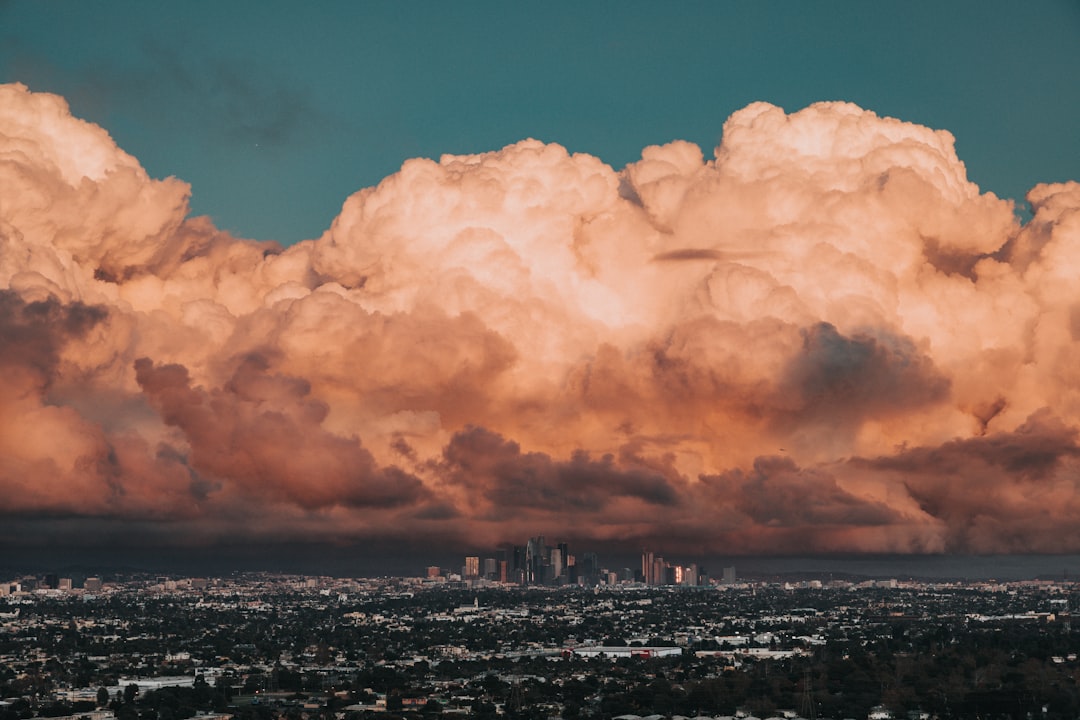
x: 820, y: 338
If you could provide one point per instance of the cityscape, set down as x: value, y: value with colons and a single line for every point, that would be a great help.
x: 259, y: 646
x: 537, y: 563
x: 539, y: 361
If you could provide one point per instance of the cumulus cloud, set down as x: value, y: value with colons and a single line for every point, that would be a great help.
x: 824, y: 337
x: 261, y: 434
x: 495, y: 472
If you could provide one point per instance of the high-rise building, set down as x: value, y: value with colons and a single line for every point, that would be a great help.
x: 659, y: 571
x: 647, y: 564
x: 589, y: 569
x: 534, y: 563
x: 537, y: 557
x: 502, y: 557
x: 434, y: 571
x: 729, y: 575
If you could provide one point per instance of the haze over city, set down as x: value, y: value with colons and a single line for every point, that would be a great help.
x: 750, y: 280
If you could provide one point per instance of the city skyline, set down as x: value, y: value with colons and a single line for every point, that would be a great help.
x: 812, y: 332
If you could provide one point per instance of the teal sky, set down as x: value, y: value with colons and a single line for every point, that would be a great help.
x: 275, y: 112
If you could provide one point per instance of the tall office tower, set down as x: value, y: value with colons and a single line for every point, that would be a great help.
x: 659, y: 571
x: 434, y: 571
x: 66, y: 584
x: 537, y: 556
x: 589, y: 569
x: 530, y: 562
x: 556, y: 562
x: 564, y: 552
x: 491, y: 568
x: 472, y: 566
x: 517, y: 559
x: 647, y: 567
x: 729, y: 575
x: 550, y: 578
x: 504, y: 572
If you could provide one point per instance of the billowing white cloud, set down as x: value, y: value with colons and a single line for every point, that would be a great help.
x: 824, y: 338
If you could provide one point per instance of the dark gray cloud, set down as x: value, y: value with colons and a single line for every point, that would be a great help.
x: 865, y: 375
x: 1003, y: 491
x: 497, y: 470
x: 779, y: 493
x: 688, y: 254
x: 32, y: 334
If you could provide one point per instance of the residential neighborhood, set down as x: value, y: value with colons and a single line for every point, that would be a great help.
x: 264, y: 646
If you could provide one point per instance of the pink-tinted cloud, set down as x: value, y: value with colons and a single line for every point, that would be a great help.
x: 825, y: 338
x: 263, y: 433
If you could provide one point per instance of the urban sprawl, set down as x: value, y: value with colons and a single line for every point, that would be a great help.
x: 533, y: 632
